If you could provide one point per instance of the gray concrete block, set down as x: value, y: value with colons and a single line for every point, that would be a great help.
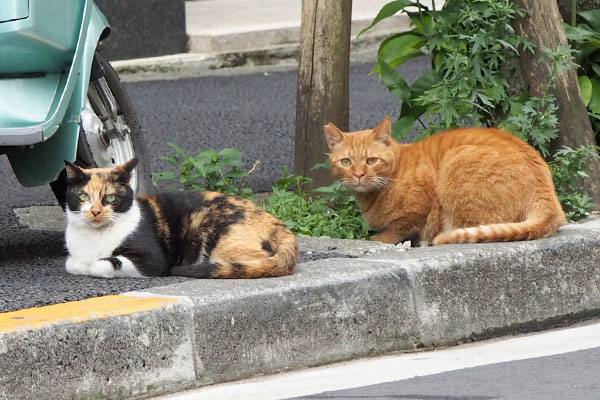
x: 469, y: 291
x: 324, y: 313
x: 114, y: 358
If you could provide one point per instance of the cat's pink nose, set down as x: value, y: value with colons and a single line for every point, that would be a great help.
x: 359, y: 174
x: 96, y: 213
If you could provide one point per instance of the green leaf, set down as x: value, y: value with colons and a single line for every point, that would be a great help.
x: 398, y: 49
x: 165, y: 175
x: 236, y: 173
x: 177, y: 149
x: 593, y: 17
x: 594, y: 104
x: 580, y: 33
x: 395, y: 82
x: 206, y: 155
x: 391, y: 9
x: 200, y: 167
x: 321, y: 165
x: 586, y: 89
x: 424, y: 83
x: 403, y: 127
x: 325, y: 189
x: 230, y: 154
x: 171, y: 159
x: 586, y: 50
x: 422, y: 21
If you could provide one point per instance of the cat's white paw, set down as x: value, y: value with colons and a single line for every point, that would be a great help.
x: 102, y: 269
x: 76, y: 267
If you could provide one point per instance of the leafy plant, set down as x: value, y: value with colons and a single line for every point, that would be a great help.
x: 470, y: 41
x: 586, y: 39
x: 568, y: 165
x: 209, y: 170
x: 333, y: 213
x: 534, y: 119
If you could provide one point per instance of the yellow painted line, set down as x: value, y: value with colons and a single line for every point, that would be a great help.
x: 80, y: 311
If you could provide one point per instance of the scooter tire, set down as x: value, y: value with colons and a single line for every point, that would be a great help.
x: 85, y: 157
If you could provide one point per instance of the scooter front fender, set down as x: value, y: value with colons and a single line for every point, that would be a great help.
x: 42, y: 162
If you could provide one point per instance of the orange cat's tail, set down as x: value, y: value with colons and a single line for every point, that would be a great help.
x: 536, y: 226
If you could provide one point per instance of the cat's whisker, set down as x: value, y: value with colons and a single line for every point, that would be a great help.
x: 381, y: 183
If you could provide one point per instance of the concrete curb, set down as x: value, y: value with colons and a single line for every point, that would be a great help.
x: 368, y: 299
x: 252, y: 48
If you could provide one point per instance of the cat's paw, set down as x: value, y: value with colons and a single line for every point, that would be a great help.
x: 76, y: 267
x: 102, y: 269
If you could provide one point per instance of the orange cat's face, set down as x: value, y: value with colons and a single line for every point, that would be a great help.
x: 363, y: 160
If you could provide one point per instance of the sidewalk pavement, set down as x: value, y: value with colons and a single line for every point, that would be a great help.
x: 227, y: 33
x: 363, y: 299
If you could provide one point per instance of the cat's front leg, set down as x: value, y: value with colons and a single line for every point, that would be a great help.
x: 115, y: 267
x: 76, y: 267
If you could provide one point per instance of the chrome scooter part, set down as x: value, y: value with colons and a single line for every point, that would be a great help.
x: 106, y: 151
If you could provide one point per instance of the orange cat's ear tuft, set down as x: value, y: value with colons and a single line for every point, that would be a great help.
x: 383, y: 131
x: 333, y: 135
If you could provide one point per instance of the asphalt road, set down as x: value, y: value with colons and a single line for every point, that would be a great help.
x: 253, y: 112
x: 565, y: 376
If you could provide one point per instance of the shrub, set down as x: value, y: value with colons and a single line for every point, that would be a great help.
x: 209, y: 170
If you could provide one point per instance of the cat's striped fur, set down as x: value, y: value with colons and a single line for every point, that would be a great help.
x: 196, y: 234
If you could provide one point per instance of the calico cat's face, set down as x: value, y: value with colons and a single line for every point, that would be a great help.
x: 363, y: 160
x: 98, y: 195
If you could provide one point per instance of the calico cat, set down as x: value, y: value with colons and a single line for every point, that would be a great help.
x: 195, y: 234
x: 463, y: 185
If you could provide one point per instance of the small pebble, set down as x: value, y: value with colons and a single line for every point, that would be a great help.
x: 404, y: 245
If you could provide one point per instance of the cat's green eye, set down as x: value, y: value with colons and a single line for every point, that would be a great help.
x: 84, y: 197
x: 345, y: 162
x: 109, y: 198
x: 371, y: 160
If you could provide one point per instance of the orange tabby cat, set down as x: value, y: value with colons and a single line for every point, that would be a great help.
x: 463, y: 185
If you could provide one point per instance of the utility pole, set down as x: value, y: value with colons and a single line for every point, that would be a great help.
x: 323, y: 82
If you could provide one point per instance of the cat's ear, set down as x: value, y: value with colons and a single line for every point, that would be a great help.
x: 383, y: 131
x: 122, y: 173
x: 74, y: 173
x: 333, y: 135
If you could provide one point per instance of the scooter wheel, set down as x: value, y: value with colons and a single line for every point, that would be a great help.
x: 109, y: 107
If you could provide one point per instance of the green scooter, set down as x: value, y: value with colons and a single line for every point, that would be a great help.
x: 60, y: 99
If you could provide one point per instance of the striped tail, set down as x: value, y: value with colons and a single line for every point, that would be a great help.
x: 535, y: 227
x: 276, y: 257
